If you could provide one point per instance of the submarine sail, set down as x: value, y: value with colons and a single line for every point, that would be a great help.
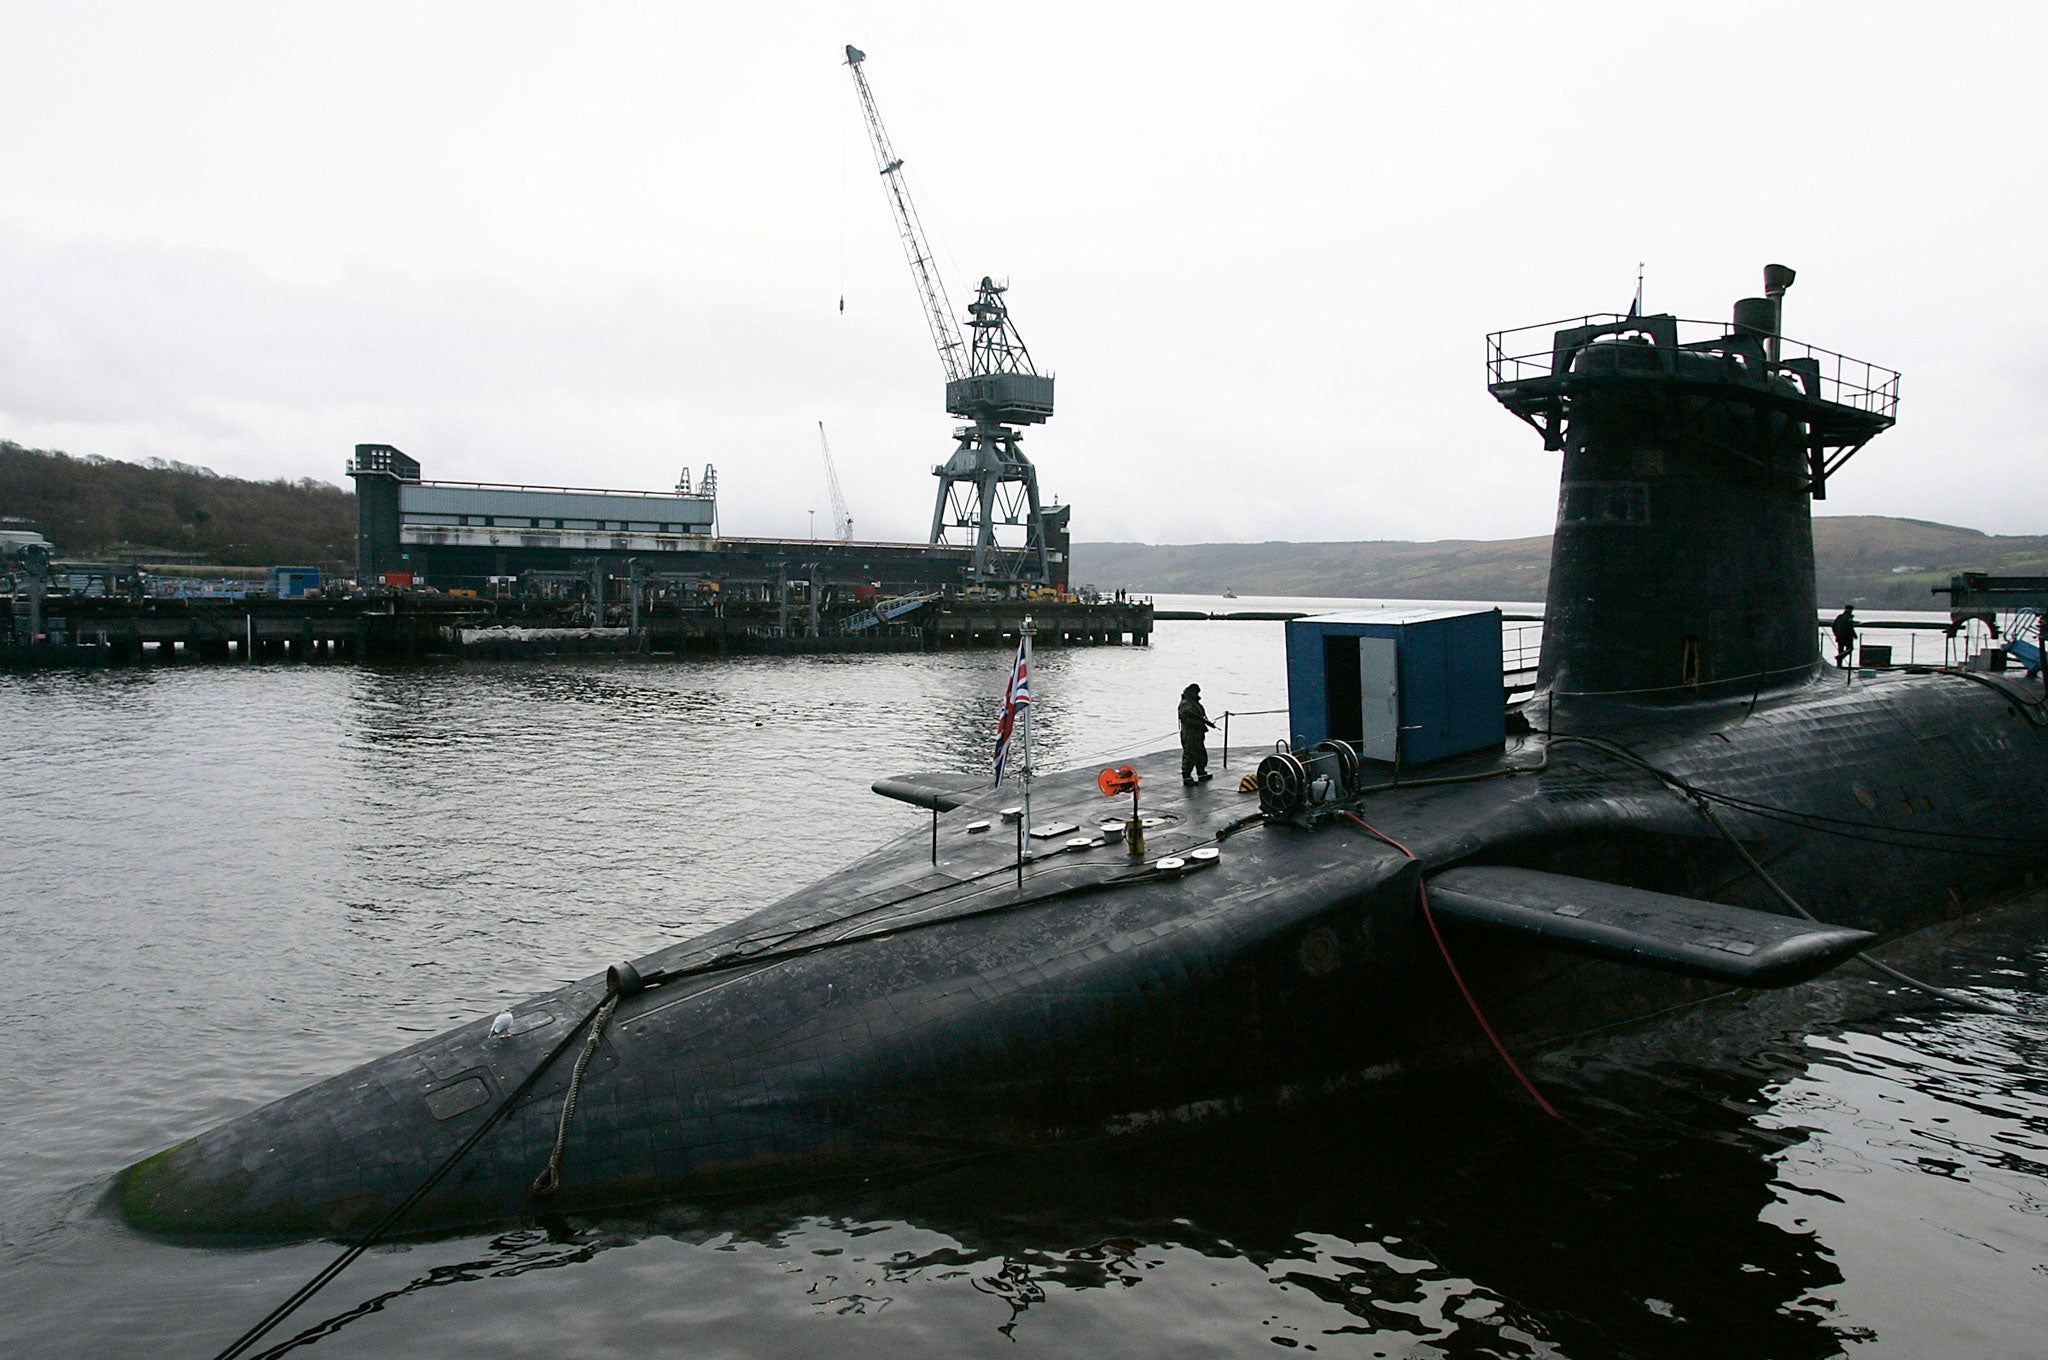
x: 1682, y: 561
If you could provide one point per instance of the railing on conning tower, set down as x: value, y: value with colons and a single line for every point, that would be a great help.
x: 1841, y: 403
x: 1513, y: 356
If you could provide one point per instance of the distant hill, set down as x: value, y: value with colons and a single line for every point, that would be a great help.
x: 98, y: 507
x: 1452, y: 569
x: 91, y: 507
x: 1874, y: 560
x: 1892, y: 563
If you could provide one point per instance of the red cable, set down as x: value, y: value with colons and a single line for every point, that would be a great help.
x: 1422, y: 892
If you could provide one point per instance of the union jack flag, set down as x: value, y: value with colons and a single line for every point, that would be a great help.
x: 1018, y: 695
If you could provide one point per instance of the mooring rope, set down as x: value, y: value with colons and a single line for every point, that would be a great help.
x: 623, y: 980
x: 327, y: 1274
x: 1702, y: 801
x: 550, y: 1178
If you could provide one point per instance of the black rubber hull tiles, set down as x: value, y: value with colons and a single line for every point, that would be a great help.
x: 898, y: 1014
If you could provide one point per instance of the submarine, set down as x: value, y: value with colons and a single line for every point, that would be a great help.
x: 1690, y: 802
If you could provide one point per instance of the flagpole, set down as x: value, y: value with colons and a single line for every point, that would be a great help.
x: 1027, y: 729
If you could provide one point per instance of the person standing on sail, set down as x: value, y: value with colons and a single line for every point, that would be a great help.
x: 1194, y: 729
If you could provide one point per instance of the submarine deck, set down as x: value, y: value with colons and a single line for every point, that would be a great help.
x: 931, y: 998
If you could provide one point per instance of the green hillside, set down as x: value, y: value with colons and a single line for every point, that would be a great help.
x: 97, y: 507
x: 1874, y: 560
x: 1893, y: 563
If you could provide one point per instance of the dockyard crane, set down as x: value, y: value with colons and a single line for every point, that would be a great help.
x: 842, y: 518
x: 990, y: 381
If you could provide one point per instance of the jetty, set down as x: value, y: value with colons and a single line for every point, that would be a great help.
x: 40, y: 630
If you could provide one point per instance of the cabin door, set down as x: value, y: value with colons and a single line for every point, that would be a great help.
x: 1379, y: 698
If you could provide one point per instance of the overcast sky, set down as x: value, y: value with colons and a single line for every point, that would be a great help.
x: 1260, y: 245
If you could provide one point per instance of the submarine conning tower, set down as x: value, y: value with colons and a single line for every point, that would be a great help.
x: 1682, y: 565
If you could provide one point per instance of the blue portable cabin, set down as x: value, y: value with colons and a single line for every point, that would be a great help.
x: 1406, y: 685
x: 290, y: 583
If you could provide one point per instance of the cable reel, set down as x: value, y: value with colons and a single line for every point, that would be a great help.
x: 1341, y: 766
x: 1291, y: 783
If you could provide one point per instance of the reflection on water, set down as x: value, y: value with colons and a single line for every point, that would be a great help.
x: 216, y: 885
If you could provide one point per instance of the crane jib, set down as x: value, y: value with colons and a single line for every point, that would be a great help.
x: 938, y: 308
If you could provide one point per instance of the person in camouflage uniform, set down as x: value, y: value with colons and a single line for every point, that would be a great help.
x: 1194, y: 729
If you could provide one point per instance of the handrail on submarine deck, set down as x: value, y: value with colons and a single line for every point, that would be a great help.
x: 1521, y: 650
x: 1245, y: 713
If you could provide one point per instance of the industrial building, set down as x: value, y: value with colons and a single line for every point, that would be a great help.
x: 457, y: 533
x: 470, y: 535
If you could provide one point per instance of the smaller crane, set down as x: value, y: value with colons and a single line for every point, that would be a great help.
x: 842, y: 518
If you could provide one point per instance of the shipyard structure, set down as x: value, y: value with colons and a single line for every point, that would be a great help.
x: 479, y: 535
x: 574, y: 568
x: 508, y: 570
x: 479, y: 569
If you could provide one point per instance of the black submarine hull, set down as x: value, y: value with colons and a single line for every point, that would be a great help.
x: 904, y: 1012
x: 1694, y: 804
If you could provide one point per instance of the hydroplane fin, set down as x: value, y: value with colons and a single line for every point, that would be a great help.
x: 940, y: 790
x: 1654, y: 930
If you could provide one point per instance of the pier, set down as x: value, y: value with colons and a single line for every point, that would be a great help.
x: 116, y: 631
x: 56, y: 630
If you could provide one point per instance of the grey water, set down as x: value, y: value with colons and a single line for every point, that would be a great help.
x: 218, y: 884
